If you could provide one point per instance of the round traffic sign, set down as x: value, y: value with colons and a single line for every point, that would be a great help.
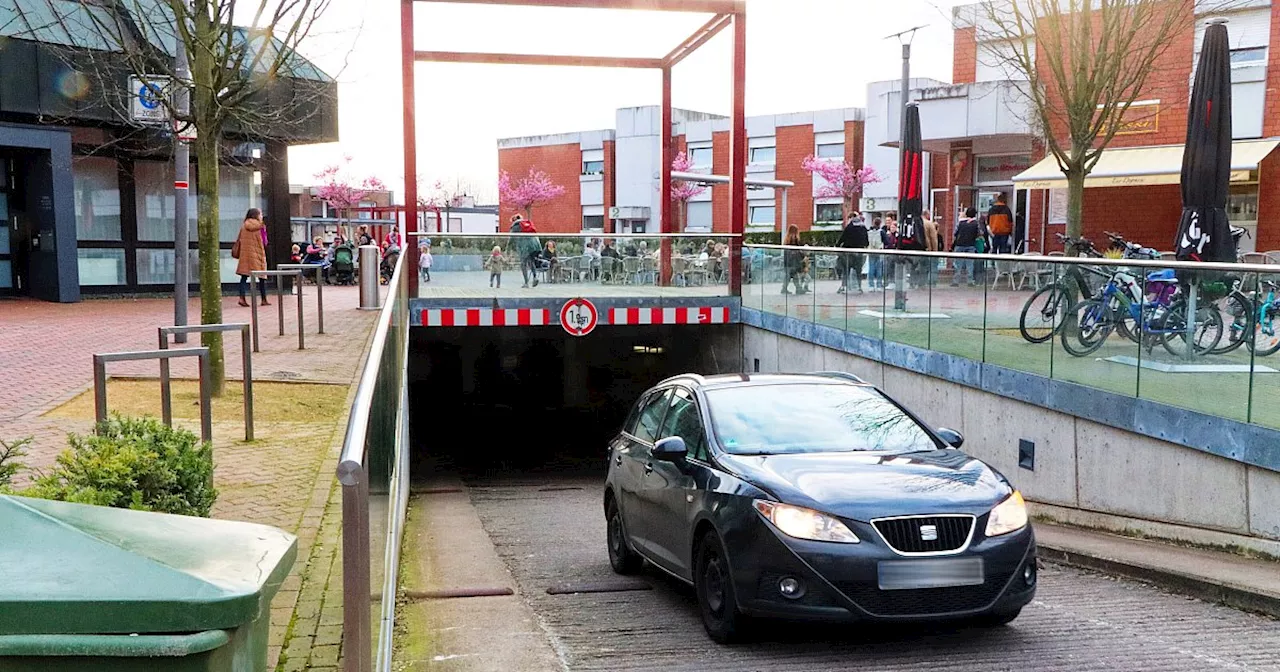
x: 149, y: 96
x: 579, y: 316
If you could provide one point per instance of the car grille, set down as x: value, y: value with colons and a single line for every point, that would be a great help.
x: 904, y: 534
x: 925, y: 601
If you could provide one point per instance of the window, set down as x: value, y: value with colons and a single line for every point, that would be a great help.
x: 812, y: 418
x: 697, y: 216
x: 683, y: 421
x: 153, y: 186
x: 828, y: 213
x: 239, y: 188
x: 101, y: 266
x: 651, y: 417
x: 365, y: 214
x: 97, y: 197
x: 593, y: 218
x: 593, y: 162
x: 831, y: 151
x: 701, y: 157
x: 763, y: 154
x: 761, y: 215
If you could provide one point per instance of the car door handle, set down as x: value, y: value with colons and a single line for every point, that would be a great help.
x: 648, y: 468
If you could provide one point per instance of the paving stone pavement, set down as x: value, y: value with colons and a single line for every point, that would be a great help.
x: 285, y: 478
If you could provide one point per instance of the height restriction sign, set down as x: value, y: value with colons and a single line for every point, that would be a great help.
x: 579, y: 316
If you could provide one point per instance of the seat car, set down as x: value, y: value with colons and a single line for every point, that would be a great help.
x: 812, y: 496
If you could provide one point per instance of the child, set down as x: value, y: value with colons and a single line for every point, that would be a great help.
x: 424, y: 263
x: 494, y: 262
x: 295, y: 255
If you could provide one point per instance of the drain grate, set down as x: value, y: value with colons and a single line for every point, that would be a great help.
x: 453, y: 593
x: 615, y: 586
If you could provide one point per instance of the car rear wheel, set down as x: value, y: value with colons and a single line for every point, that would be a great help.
x: 621, y: 557
x: 716, y: 599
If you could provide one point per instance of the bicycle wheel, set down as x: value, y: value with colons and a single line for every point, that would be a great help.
x: 1266, y: 332
x: 1042, y: 314
x: 1208, y: 329
x: 1236, y: 312
x: 1086, y: 328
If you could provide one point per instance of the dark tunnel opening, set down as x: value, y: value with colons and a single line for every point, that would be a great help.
x: 490, y: 402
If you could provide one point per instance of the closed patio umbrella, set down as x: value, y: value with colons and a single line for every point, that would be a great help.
x: 1203, y: 232
x: 910, y: 202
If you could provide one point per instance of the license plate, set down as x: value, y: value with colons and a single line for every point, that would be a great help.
x: 939, y: 573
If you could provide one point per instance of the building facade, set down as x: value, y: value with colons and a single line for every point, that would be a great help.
x: 87, y: 192
x: 610, y: 176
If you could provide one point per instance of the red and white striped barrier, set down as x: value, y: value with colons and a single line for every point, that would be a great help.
x: 485, y: 317
x: 684, y: 315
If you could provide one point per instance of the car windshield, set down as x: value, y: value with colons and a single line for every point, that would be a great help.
x: 812, y: 418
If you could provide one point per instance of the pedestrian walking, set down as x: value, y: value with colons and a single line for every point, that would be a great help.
x: 250, y: 253
x: 793, y: 262
x: 1000, y: 223
x: 494, y: 262
x: 965, y: 238
x: 528, y: 248
x: 875, y: 262
x: 849, y: 267
x: 424, y: 262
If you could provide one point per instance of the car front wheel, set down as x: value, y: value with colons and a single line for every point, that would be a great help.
x: 716, y: 599
x: 621, y: 557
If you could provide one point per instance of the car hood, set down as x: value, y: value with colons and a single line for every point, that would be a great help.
x: 862, y: 486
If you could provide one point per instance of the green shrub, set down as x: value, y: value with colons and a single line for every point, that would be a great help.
x: 133, y: 463
x: 9, y: 464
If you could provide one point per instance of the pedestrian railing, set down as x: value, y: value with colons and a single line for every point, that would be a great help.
x: 101, y: 360
x: 259, y: 276
x: 319, y: 274
x: 246, y: 360
x: 1117, y: 325
x: 374, y: 473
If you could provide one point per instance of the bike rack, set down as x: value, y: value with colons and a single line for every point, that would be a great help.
x: 257, y: 276
x: 246, y: 358
x: 319, y: 288
x: 100, y: 361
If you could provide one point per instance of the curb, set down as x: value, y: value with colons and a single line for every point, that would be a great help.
x: 1194, y: 586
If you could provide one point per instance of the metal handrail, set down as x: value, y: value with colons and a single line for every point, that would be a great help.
x: 584, y: 234
x: 301, y: 268
x: 256, y: 277
x: 100, y: 361
x: 246, y: 361
x: 1235, y: 267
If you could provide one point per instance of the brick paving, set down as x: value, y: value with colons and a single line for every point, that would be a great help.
x: 285, y: 478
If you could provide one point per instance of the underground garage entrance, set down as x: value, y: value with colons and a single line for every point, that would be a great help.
x: 489, y: 402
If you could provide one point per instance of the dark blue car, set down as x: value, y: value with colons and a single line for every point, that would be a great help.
x: 813, y: 497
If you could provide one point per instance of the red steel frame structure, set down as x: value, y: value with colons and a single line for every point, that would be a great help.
x: 725, y: 13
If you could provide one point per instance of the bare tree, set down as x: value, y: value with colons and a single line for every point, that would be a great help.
x: 1084, y: 62
x: 246, y: 79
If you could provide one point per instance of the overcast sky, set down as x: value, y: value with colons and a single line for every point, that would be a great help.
x: 801, y: 55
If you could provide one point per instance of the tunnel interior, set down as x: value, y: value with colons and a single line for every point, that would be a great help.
x: 489, y: 402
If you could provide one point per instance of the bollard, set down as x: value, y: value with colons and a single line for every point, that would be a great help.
x: 369, y: 277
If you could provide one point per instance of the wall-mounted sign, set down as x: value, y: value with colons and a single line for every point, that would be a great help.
x: 1141, y: 117
x: 146, y: 98
x: 991, y: 169
x: 579, y: 316
x: 960, y: 162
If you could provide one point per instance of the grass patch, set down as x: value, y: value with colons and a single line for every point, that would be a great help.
x: 272, y: 401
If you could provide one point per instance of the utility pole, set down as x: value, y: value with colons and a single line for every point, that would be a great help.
x: 900, y: 267
x: 181, y: 188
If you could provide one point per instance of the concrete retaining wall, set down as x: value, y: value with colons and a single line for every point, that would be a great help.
x: 1084, y: 472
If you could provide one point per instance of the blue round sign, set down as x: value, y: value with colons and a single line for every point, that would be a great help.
x: 149, y: 96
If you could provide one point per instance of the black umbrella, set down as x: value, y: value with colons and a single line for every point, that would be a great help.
x: 1203, y: 232
x: 910, y: 187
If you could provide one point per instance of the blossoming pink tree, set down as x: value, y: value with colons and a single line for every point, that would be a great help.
x: 343, y: 192
x: 840, y: 180
x: 440, y: 199
x: 532, y: 190
x: 681, y: 191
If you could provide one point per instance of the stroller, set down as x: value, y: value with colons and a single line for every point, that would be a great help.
x: 388, y: 265
x: 344, y: 267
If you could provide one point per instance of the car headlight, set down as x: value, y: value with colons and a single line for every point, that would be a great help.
x: 802, y: 523
x: 1008, y: 516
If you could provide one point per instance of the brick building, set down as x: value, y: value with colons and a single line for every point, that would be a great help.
x: 610, y: 176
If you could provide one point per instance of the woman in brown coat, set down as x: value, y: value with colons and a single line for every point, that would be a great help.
x: 253, y: 255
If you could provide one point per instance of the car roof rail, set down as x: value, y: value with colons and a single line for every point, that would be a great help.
x: 845, y: 375
x: 696, y: 377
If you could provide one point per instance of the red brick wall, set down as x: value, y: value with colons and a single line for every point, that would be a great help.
x: 1271, y: 121
x: 610, y: 182
x: 1268, y: 234
x: 794, y: 144
x: 853, y: 134
x: 1145, y: 215
x: 720, y: 195
x: 564, y: 164
x: 964, y: 61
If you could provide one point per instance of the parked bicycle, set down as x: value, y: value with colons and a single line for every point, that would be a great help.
x: 1154, y: 314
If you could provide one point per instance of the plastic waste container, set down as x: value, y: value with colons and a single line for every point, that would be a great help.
x: 95, y: 588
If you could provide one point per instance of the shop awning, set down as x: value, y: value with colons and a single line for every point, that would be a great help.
x: 1138, y: 166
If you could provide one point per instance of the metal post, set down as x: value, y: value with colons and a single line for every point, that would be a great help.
x: 253, y: 309
x: 166, y: 401
x: 738, y: 152
x: 280, y: 304
x: 319, y: 299
x: 369, y: 277
x: 409, y: 245
x: 247, y: 358
x: 667, y: 155
x: 181, y: 187
x: 356, y: 627
x: 899, y: 265
x: 99, y: 390
x: 784, y: 213
x: 301, y: 326
x: 206, y: 398
x: 1192, y: 295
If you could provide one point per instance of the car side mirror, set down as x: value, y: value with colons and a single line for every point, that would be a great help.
x: 952, y: 437
x: 670, y: 449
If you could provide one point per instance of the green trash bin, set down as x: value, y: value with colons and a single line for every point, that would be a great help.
x: 95, y: 588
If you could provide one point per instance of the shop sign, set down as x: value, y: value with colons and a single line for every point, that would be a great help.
x: 1141, y: 117
x: 1001, y: 168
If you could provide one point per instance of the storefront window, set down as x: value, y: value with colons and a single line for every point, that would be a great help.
x: 1242, y: 211
x: 155, y: 200
x: 239, y: 188
x: 97, y: 197
x: 101, y: 266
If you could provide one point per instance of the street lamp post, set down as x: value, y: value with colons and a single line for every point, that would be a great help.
x: 899, y: 266
x: 181, y: 187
